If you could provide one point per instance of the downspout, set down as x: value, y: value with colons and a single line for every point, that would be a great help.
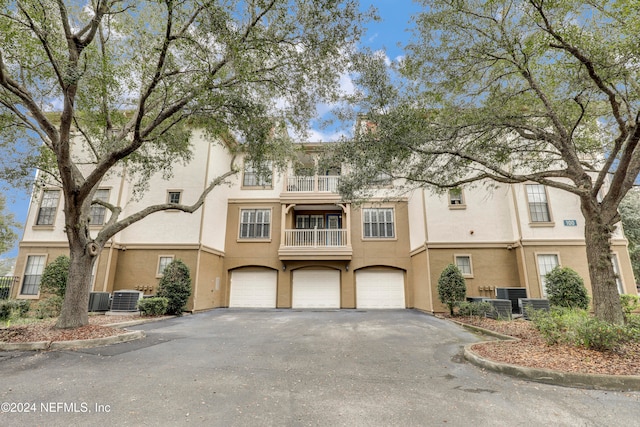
x: 426, y: 248
x: 523, y: 259
x: 201, y: 231
x: 105, y: 283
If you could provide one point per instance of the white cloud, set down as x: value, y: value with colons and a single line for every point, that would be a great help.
x: 382, y: 54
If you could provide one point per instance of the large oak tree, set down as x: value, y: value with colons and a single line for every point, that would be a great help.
x: 515, y: 91
x: 132, y: 78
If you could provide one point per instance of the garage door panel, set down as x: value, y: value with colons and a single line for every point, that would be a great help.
x: 380, y: 289
x: 316, y: 289
x: 253, y: 289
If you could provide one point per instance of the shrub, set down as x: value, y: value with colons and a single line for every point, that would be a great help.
x: 10, y: 309
x: 630, y: 303
x: 576, y: 327
x: 633, y: 326
x: 55, y: 275
x: 474, y: 308
x: 555, y: 325
x: 451, y: 287
x: 175, y: 285
x: 49, y: 307
x: 565, y: 288
x: 155, y: 306
x: 600, y: 335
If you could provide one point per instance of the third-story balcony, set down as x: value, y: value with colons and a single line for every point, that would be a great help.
x: 313, y: 184
x: 327, y: 244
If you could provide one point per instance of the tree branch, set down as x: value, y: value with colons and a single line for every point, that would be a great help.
x: 115, y: 227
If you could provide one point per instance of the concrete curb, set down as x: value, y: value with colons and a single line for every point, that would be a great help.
x: 24, y: 346
x: 96, y: 342
x: 565, y: 379
x: 548, y: 376
x: 70, y: 345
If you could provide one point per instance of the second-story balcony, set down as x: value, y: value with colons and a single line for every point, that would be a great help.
x: 312, y: 184
x: 327, y: 244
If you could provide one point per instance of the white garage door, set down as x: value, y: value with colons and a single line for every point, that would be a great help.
x: 253, y: 288
x: 380, y: 289
x: 316, y: 289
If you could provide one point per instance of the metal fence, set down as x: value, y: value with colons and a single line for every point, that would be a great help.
x: 6, y: 283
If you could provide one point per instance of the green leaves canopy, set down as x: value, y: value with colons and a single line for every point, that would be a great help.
x: 513, y: 91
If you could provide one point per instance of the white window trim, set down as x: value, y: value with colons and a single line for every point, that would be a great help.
x: 158, y: 273
x: 257, y: 186
x: 395, y: 226
x: 24, y: 270
x: 463, y: 202
x: 533, y: 223
x: 55, y: 214
x: 255, y: 239
x: 106, y: 213
x: 455, y: 262
x: 172, y: 190
x: 543, y: 294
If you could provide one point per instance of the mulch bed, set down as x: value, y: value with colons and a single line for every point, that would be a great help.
x: 45, y: 330
x: 532, y: 351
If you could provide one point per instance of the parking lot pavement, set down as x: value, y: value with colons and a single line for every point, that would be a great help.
x: 290, y: 368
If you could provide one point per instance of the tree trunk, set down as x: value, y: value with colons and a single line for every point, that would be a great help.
x: 606, y: 300
x: 75, y: 307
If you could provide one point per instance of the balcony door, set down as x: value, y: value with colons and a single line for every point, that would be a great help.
x: 334, y: 222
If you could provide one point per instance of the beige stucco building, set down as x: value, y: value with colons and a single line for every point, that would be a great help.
x: 287, y: 240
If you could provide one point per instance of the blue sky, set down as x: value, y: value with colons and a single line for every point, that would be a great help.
x: 385, y: 35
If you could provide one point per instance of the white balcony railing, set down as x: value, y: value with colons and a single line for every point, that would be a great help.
x: 315, y: 238
x: 308, y: 184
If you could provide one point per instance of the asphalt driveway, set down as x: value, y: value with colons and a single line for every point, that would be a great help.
x: 290, y: 368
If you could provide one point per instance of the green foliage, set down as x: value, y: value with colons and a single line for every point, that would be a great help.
x: 48, y: 307
x: 11, y: 309
x: 633, y: 326
x: 154, y: 306
x: 451, y: 287
x: 175, y: 285
x: 142, y: 77
x: 8, y: 227
x: 565, y: 288
x: 630, y: 218
x: 474, y: 308
x: 54, y: 277
x: 630, y: 303
x: 600, y: 335
x: 511, y: 92
x: 576, y: 327
x: 6, y: 266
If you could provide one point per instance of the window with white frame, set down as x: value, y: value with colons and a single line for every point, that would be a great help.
x: 99, y: 212
x: 174, y: 196
x: 309, y: 222
x: 257, y: 175
x: 463, y: 262
x: 538, y: 204
x: 255, y: 223
x: 32, y: 275
x: 382, y: 179
x: 48, y: 207
x: 163, y: 262
x: 378, y: 223
x: 546, y: 263
x: 616, y: 270
x: 455, y: 197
